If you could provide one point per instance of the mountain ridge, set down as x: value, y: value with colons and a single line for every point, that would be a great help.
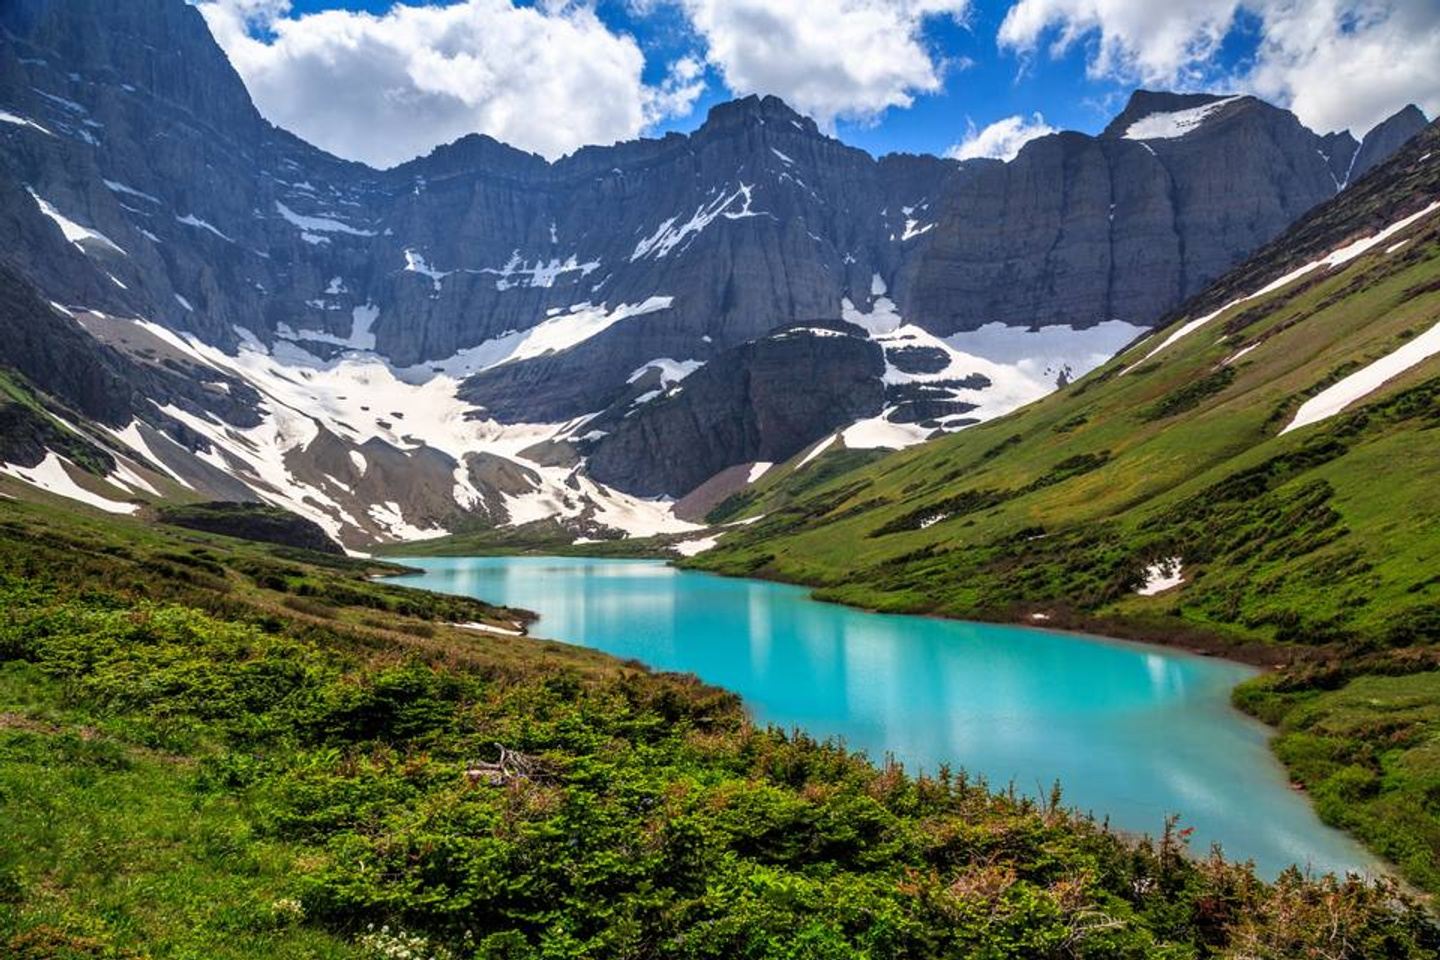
x: 1254, y: 479
x: 531, y: 297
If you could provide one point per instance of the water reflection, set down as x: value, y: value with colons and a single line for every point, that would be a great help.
x: 1133, y: 733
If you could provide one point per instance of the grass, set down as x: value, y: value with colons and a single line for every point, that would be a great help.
x: 1369, y: 753
x: 105, y: 844
x: 191, y: 766
x: 1303, y: 550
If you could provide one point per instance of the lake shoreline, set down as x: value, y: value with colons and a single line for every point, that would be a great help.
x: 1064, y: 624
x: 1177, y: 636
x: 1169, y: 634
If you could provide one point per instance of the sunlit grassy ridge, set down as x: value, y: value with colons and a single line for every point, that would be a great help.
x: 1318, y: 547
x: 216, y: 749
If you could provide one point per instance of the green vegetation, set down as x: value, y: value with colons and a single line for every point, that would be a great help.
x: 1369, y: 750
x: 251, y: 521
x: 199, y: 758
x: 1313, y: 551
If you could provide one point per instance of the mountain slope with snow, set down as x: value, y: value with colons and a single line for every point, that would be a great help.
x: 1272, y: 442
x: 481, y: 338
x: 1255, y: 479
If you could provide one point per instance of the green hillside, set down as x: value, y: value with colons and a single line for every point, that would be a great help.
x: 218, y: 749
x: 1318, y: 548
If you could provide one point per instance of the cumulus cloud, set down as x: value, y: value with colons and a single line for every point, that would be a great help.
x: 1002, y: 139
x: 832, y: 59
x: 1336, y: 63
x: 386, y: 88
x: 1144, y: 40
x: 1340, y: 64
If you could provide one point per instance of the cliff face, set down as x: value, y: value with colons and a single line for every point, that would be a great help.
x: 743, y: 406
x: 1080, y: 229
x: 138, y: 183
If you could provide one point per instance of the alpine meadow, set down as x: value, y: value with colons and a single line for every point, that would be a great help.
x: 719, y: 479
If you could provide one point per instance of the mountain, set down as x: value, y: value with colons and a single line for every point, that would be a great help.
x: 1255, y: 478
x: 477, y: 337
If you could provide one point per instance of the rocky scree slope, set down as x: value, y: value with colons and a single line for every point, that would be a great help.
x: 402, y: 353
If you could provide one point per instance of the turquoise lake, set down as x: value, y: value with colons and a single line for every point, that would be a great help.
x: 1132, y: 732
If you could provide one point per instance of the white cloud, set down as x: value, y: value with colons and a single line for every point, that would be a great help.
x: 1336, y: 63
x: 828, y: 58
x: 1345, y: 64
x: 1001, y: 139
x: 1145, y: 40
x: 386, y: 88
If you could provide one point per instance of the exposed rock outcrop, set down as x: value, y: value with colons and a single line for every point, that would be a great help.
x: 764, y: 400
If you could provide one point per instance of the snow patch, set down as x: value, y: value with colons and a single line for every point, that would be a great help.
x: 818, y: 449
x: 877, y: 432
x: 50, y: 475
x: 491, y: 628
x: 190, y: 220
x: 19, y: 121
x: 758, y: 469
x: 388, y: 516
x: 518, y: 273
x: 914, y: 228
x: 1337, y: 397
x: 671, y: 371
x: 114, y: 186
x: 1162, y: 575
x: 81, y: 236
x: 690, y: 548
x: 319, y: 224
x: 1169, y: 126
x: 415, y: 263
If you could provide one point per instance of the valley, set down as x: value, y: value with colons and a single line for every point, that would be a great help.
x: 723, y: 542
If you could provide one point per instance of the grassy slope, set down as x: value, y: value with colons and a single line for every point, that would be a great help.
x: 217, y: 749
x: 1319, y: 548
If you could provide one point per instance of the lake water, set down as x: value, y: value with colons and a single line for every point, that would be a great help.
x: 1132, y: 732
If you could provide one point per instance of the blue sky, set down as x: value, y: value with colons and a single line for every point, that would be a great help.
x: 990, y: 86
x: 885, y: 75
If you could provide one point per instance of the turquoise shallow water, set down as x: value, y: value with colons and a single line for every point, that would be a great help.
x: 1132, y: 732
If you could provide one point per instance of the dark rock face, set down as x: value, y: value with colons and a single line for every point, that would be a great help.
x: 1092, y: 228
x: 763, y: 400
x: 140, y: 181
x: 252, y: 521
x: 917, y: 359
x: 754, y: 221
x: 1379, y: 144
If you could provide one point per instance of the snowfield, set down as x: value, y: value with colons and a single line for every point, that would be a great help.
x: 1335, y: 258
x: 1367, y: 380
x: 52, y: 476
x: 1170, y: 126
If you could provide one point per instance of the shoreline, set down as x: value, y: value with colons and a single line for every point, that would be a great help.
x: 1167, y: 634
x: 1060, y: 623
x: 1192, y: 639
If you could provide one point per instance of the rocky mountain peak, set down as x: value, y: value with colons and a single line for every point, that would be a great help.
x: 1148, y: 103
x: 158, y: 47
x: 475, y: 152
x: 754, y: 110
x: 1385, y: 138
